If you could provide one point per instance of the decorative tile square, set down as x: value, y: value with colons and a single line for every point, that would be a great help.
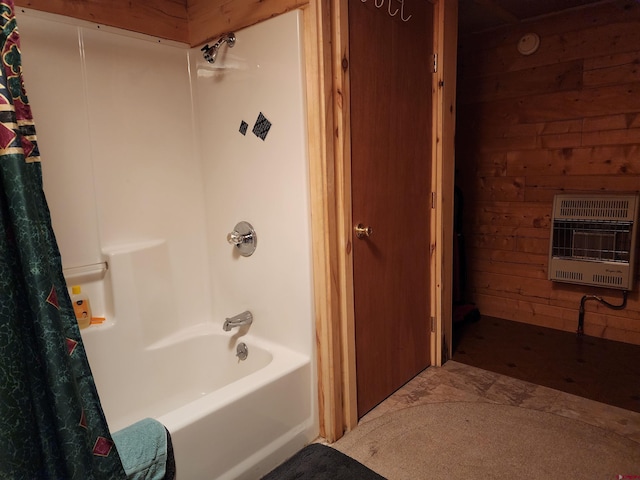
x: 261, y: 127
x: 243, y: 127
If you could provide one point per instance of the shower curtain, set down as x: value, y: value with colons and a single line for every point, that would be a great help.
x: 51, y: 422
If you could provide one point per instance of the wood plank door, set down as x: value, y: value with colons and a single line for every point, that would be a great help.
x: 391, y: 60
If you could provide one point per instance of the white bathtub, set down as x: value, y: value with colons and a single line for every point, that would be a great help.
x: 229, y: 419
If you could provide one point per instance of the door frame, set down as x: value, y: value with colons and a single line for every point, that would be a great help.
x: 326, y: 37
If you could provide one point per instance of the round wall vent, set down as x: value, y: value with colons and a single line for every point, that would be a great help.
x: 529, y: 43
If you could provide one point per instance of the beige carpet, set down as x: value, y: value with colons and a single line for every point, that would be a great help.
x: 474, y: 440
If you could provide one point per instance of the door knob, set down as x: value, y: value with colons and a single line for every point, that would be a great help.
x: 362, y: 231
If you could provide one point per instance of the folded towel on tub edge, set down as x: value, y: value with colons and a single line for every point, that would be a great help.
x: 143, y: 450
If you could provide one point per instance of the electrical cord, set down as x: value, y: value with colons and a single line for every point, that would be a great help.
x: 602, y: 301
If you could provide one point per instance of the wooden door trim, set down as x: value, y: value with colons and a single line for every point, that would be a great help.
x: 317, y: 22
x: 342, y: 149
x: 444, y: 87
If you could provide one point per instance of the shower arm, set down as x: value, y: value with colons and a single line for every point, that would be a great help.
x: 210, y: 53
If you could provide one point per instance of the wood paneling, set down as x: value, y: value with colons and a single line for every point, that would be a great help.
x: 160, y: 18
x: 565, y: 119
x: 529, y: 81
x: 209, y: 19
x: 602, y: 14
x: 188, y: 21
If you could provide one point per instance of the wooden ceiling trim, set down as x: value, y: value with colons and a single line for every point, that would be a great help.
x: 208, y: 19
x: 498, y: 11
x: 187, y: 21
x: 165, y: 19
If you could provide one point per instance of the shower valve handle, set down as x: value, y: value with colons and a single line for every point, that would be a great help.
x: 236, y: 238
x: 244, y: 238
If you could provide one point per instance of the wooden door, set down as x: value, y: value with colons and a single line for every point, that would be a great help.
x: 391, y: 62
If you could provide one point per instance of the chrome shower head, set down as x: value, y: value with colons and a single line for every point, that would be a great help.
x: 210, y: 53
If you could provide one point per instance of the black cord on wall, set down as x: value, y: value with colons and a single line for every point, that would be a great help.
x: 602, y: 301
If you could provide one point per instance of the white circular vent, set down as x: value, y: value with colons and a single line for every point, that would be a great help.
x: 529, y: 43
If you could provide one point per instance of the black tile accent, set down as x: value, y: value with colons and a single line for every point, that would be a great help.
x: 243, y: 127
x: 261, y: 127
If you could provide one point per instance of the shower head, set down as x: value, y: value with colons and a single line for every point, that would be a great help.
x: 210, y: 53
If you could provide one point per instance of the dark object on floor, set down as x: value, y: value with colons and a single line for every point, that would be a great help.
x: 467, y: 312
x: 459, y: 257
x: 320, y: 462
x: 462, y: 311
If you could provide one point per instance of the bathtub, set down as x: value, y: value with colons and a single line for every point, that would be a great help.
x: 228, y: 418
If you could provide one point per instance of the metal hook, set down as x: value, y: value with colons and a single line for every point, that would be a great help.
x: 397, y: 9
x: 402, y: 13
x: 380, y: 4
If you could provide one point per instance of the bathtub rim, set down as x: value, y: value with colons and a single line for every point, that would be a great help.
x: 283, y: 362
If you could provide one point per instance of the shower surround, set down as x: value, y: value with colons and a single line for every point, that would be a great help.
x: 151, y: 155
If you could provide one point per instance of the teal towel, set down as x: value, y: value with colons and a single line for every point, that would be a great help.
x: 143, y: 449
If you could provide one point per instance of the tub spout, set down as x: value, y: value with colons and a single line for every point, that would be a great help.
x: 244, y: 318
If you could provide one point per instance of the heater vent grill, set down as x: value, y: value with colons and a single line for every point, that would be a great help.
x: 569, y: 276
x: 609, y: 279
x: 592, y: 208
x: 593, y: 240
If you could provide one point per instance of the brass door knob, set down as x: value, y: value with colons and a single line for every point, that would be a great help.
x: 362, y: 231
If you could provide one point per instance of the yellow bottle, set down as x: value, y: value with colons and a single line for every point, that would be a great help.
x: 81, y: 306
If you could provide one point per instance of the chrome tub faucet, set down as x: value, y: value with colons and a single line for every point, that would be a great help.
x: 244, y: 318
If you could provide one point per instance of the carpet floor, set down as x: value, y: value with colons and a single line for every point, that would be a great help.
x: 462, y: 440
x: 458, y: 422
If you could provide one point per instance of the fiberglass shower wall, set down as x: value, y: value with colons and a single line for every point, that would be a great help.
x: 142, y: 153
x: 114, y: 121
x: 252, y: 125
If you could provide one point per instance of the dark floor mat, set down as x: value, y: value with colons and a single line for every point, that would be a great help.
x: 320, y: 462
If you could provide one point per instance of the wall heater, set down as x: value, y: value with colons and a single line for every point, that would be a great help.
x: 593, y: 240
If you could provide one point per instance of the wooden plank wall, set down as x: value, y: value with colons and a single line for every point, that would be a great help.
x: 193, y: 22
x: 160, y: 18
x: 565, y: 119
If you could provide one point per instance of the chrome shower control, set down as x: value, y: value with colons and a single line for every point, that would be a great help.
x: 244, y: 238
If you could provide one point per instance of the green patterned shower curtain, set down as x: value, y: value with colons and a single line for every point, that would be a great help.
x: 51, y: 422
